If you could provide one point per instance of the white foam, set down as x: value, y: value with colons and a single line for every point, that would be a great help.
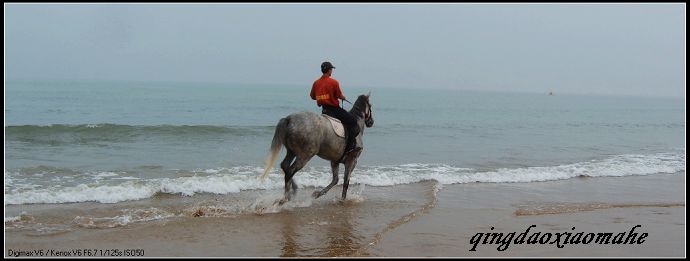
x: 102, y: 175
x: 236, y: 179
x: 12, y: 219
x: 128, y: 216
x: 127, y: 178
x: 23, y: 217
x: 83, y: 193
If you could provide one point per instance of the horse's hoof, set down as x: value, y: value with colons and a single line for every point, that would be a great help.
x: 316, y: 194
x: 259, y: 210
x: 280, y: 202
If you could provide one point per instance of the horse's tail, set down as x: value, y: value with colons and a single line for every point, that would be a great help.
x: 276, y: 144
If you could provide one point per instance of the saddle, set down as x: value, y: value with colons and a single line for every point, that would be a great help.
x: 337, y: 126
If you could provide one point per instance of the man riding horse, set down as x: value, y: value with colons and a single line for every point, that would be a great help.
x: 307, y: 134
x: 326, y: 92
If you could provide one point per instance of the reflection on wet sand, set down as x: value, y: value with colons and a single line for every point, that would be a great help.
x: 338, y: 229
x: 342, y: 240
x: 337, y: 224
x: 290, y: 247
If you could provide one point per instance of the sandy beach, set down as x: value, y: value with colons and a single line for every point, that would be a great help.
x: 486, y: 130
x: 422, y: 219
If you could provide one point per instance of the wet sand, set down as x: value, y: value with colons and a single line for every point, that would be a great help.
x: 421, y: 219
x: 596, y: 205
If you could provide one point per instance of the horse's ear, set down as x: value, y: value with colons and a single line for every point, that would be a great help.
x: 369, y: 94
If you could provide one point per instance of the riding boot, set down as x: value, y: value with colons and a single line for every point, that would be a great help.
x: 350, y: 145
x: 352, y: 140
x: 350, y: 148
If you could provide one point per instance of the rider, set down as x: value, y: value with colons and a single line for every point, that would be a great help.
x: 326, y: 92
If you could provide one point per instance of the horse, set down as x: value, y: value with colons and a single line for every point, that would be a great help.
x: 307, y: 134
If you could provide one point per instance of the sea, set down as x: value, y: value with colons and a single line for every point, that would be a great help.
x: 112, y: 142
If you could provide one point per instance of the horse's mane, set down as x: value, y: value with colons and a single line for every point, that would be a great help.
x: 359, y: 106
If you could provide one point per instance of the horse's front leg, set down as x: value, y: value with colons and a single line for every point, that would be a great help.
x: 350, y: 164
x: 334, y: 168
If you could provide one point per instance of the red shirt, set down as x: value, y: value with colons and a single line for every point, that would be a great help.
x: 326, y: 90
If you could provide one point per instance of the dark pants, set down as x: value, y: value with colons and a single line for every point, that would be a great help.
x: 348, y: 121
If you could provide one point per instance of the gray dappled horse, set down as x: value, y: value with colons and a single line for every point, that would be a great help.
x: 306, y: 134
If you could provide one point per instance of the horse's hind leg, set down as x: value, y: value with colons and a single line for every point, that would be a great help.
x: 296, y: 166
x: 285, y: 165
x: 334, y: 169
x: 299, y: 163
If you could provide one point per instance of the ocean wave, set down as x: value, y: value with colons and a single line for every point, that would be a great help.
x: 60, y: 134
x: 236, y: 179
x: 65, y: 134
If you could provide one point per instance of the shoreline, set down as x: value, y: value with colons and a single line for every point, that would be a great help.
x: 421, y: 219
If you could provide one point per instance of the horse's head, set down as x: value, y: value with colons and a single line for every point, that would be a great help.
x: 363, y: 104
x: 368, y: 115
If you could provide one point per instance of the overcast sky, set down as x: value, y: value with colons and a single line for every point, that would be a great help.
x: 626, y: 49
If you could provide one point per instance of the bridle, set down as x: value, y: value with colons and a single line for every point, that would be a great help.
x: 368, y: 117
x: 367, y: 114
